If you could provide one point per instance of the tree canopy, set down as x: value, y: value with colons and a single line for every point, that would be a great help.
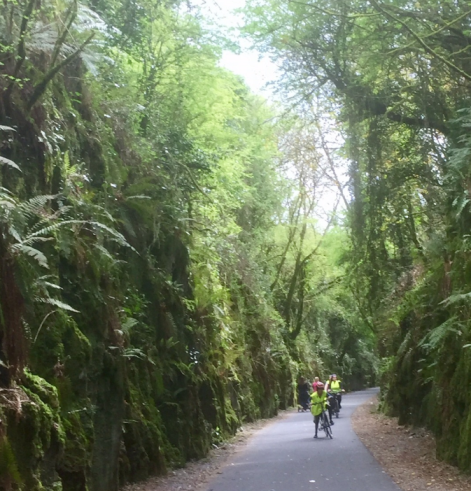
x: 169, y: 266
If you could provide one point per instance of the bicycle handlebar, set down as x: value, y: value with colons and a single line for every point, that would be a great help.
x: 320, y: 403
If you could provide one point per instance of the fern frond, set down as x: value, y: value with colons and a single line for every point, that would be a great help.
x: 52, y: 285
x: 53, y: 227
x: 457, y: 297
x: 127, y: 224
x: 119, y: 237
x: 42, y: 38
x: 104, y: 212
x: 104, y: 251
x: 45, y: 277
x: 56, y: 303
x: 460, y: 205
x: 138, y: 197
x: 88, y: 20
x: 435, y: 337
x: 128, y: 324
x: 91, y: 60
x: 10, y: 163
x: 32, y: 240
x: 46, y: 220
x: 14, y: 233
x: 7, y: 204
x: 39, y: 225
x: 33, y: 206
x: 42, y: 281
x: 32, y: 252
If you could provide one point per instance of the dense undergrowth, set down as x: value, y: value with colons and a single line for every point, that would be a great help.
x: 163, y: 277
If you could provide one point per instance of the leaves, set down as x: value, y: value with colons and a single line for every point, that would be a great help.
x: 436, y: 336
x: 57, y: 303
x: 180, y: 219
x: 9, y: 163
x: 30, y: 251
x: 457, y: 297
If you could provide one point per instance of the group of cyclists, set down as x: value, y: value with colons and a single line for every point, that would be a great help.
x: 324, y: 396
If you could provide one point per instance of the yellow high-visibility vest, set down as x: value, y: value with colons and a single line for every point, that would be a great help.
x: 318, y: 403
x: 334, y: 386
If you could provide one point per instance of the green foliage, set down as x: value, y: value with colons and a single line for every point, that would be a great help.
x: 9, y: 473
x: 395, y: 76
x: 165, y: 275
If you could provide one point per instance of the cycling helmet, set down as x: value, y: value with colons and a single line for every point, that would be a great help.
x: 320, y: 385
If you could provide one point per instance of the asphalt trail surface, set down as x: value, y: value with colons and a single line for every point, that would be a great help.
x: 284, y: 456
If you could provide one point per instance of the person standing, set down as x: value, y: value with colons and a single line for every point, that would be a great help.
x: 303, y: 393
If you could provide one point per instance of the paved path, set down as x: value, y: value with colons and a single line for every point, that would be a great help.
x: 283, y: 456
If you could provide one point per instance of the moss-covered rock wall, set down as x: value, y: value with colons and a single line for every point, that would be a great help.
x: 425, y: 382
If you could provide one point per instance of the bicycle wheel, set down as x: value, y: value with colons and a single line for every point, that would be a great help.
x: 335, y: 406
x: 328, y: 431
x: 326, y: 425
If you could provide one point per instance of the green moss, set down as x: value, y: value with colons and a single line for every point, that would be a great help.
x: 37, y: 435
x: 77, y: 348
x: 8, y: 467
x: 232, y: 420
x: 77, y: 448
x: 61, y: 342
x: 44, y: 409
x: 147, y: 450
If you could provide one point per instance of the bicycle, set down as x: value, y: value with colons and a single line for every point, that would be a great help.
x: 334, y: 401
x: 324, y: 423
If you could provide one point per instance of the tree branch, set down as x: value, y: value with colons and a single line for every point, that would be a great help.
x: 71, y: 15
x: 426, y: 47
x: 21, y: 47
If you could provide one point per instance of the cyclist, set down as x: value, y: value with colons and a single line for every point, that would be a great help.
x: 314, y: 384
x: 330, y: 407
x: 318, y: 404
x: 334, y: 386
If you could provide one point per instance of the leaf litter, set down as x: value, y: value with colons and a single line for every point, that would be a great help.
x: 407, y: 454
